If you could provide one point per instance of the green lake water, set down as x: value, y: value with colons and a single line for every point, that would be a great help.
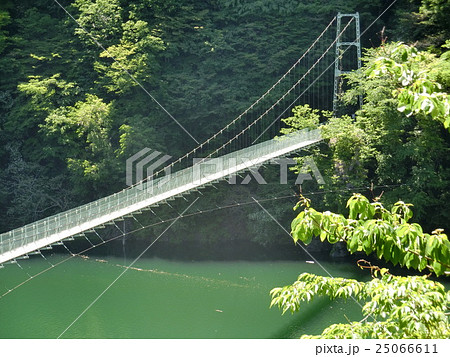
x: 160, y: 299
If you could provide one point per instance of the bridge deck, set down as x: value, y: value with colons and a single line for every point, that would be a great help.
x: 67, y: 224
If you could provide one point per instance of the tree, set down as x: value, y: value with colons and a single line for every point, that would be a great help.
x: 394, y: 306
x: 5, y: 19
x: 205, y: 61
x: 402, y: 115
x: 133, y: 56
x: 397, y: 137
x: 432, y: 14
x: 83, y: 135
x: 397, y: 140
x: 102, y: 19
x: 30, y: 194
x: 417, y: 93
x: 422, y: 22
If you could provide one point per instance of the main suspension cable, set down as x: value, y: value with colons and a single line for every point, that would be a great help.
x: 234, y: 121
x: 284, y: 96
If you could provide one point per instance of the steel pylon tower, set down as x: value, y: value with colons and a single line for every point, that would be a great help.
x: 343, y: 45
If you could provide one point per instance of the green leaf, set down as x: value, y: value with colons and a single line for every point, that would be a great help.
x: 395, y: 255
x: 298, y: 233
x: 367, y: 246
x: 353, y: 243
x: 298, y: 220
x: 407, y: 260
x: 438, y: 268
x: 387, y: 248
x: 431, y: 246
x: 422, y: 264
x: 333, y: 239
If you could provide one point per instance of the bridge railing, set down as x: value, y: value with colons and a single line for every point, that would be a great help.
x: 88, y: 216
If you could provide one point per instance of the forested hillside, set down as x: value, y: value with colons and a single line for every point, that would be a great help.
x: 70, y: 115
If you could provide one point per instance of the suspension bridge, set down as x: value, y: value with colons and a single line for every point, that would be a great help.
x: 246, y: 142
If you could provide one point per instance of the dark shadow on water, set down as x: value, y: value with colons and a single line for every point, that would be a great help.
x: 301, y: 325
x: 196, y: 251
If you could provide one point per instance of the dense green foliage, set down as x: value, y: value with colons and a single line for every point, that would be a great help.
x: 404, y: 143
x: 70, y: 115
x: 394, y: 306
x: 400, y: 307
x: 371, y: 228
x: 205, y: 61
x: 77, y: 99
x: 398, y: 137
x: 418, y: 93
